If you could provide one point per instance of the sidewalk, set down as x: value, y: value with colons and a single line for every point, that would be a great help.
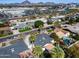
x: 27, y: 42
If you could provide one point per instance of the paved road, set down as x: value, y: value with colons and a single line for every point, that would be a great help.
x: 11, y: 37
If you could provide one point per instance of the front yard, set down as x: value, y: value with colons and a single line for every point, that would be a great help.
x: 5, y: 35
x: 24, y: 29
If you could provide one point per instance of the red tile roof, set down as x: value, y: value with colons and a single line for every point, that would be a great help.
x: 49, y: 46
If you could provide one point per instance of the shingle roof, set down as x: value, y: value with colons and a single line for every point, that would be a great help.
x: 13, y: 50
x: 42, y: 39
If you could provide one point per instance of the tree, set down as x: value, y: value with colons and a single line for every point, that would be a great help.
x: 50, y: 16
x: 38, y: 24
x: 37, y: 51
x: 75, y: 36
x: 67, y: 52
x: 74, y: 50
x: 71, y: 21
x: 57, y: 52
x: 3, y: 44
x: 66, y: 18
x: 57, y: 24
x: 46, y: 54
x: 56, y: 38
x: 77, y: 19
x: 21, y: 36
x: 32, y: 38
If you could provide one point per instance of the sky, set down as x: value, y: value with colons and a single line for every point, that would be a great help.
x: 35, y: 1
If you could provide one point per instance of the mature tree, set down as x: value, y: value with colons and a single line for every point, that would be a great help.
x: 21, y: 36
x: 72, y: 21
x: 37, y: 51
x: 75, y: 36
x: 38, y: 24
x: 67, y: 18
x: 77, y: 19
x: 57, y: 24
x: 46, y: 54
x: 67, y: 52
x: 57, y: 52
x: 3, y: 44
x: 50, y: 16
x: 74, y: 50
x: 56, y: 38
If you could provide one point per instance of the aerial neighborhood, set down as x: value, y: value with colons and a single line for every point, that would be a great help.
x: 39, y: 30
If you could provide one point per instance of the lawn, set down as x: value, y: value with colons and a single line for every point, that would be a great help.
x: 49, y: 30
x: 4, y: 35
x: 24, y: 29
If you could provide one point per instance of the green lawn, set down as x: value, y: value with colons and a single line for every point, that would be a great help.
x: 24, y: 29
x: 50, y: 30
x: 4, y: 35
x: 13, y: 24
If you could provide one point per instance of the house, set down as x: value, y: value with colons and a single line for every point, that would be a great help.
x: 49, y: 46
x: 55, y: 18
x: 26, y: 54
x: 16, y: 20
x: 20, y: 25
x: 13, y: 22
x: 13, y: 50
x: 47, y: 50
x: 5, y: 29
x: 57, y: 52
x: 43, y: 39
x: 61, y: 33
x: 67, y: 41
x: 73, y: 28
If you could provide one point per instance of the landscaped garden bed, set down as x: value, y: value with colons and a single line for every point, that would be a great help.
x: 24, y: 29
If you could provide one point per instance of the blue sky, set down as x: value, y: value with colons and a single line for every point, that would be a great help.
x: 56, y: 1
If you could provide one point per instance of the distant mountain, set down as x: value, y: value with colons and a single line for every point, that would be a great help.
x: 40, y: 3
x: 47, y: 3
x: 26, y: 2
x: 50, y: 3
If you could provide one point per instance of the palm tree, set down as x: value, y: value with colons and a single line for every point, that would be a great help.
x: 32, y: 38
x: 3, y: 44
x: 57, y: 52
x: 37, y: 51
x: 21, y: 36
